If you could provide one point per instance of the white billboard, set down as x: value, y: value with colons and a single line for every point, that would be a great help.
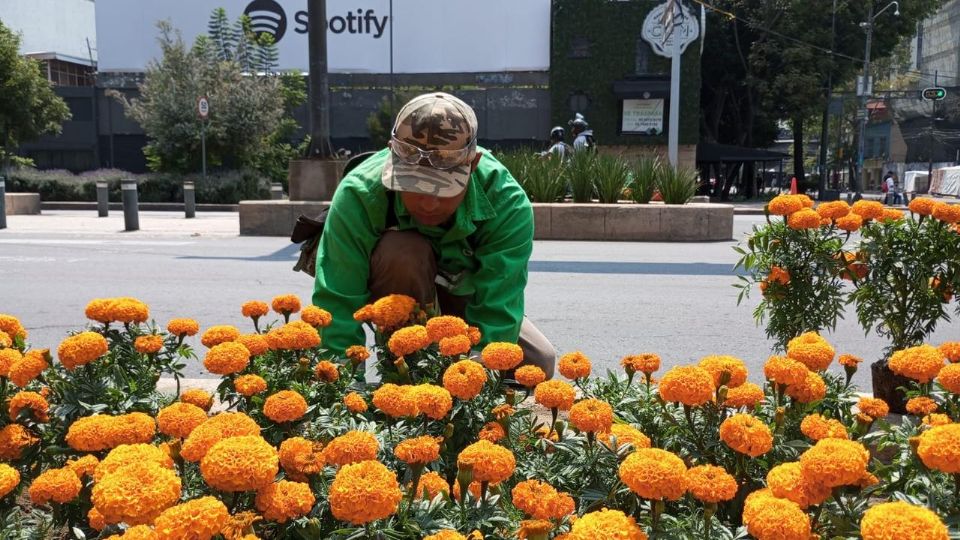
x: 428, y: 36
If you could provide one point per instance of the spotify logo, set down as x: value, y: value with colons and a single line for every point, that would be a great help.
x: 267, y: 17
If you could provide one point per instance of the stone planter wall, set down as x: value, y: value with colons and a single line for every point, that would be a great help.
x: 22, y: 204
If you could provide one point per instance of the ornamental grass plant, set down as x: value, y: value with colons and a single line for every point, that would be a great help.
x: 646, y: 172
x: 677, y: 185
x: 449, y: 444
x: 610, y: 178
x: 582, y: 170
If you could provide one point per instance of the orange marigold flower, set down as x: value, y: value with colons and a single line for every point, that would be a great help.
x: 901, y: 519
x: 215, y: 335
x: 408, y: 340
x: 849, y: 360
x: 355, y: 403
x: 784, y: 205
x: 301, y: 458
x: 951, y: 351
x: 148, y: 344
x: 529, y: 376
x: 364, y: 492
x: 624, y: 434
x: 249, y: 385
x: 245, y: 463
x: 502, y: 356
x: 689, y: 385
x: 254, y: 309
x: 125, y: 454
x: 351, y: 447
x: 834, y: 462
x: 215, y: 428
x: 95, y: 519
x: 873, y: 407
x: 446, y: 534
x: 785, y: 371
x: 137, y: 532
x: 850, y: 223
x: 817, y: 427
x: 555, y: 394
x: 315, y: 316
x: 127, y: 310
x: 392, y: 311
x: 591, y: 415
x: 921, y: 363
x: 772, y: 518
x: 9, y: 479
x: 606, y: 524
x: 430, y: 485
x: 867, y: 209
x: 396, y: 401
x: 418, y: 450
x: 940, y: 448
x: 327, y: 371
x: 357, y: 353
x: 57, y: 485
x: 813, y: 388
x: 922, y: 206
x: 14, y: 439
x: 197, y: 396
x: 574, y: 365
x: 364, y: 314
x: 491, y: 463
x: 197, y: 519
x: 787, y: 482
x: 285, y: 406
x: 936, y: 419
x: 746, y: 434
x: 921, y: 406
x: 31, y: 401
x: 804, y: 219
x: 502, y: 411
x: 179, y: 419
x: 11, y: 326
x: 455, y: 345
x: 726, y: 371
x: 534, y: 528
x: 747, y: 395
x: 811, y: 350
x: 446, y: 326
x: 227, y: 358
x: 711, y: 484
x: 83, y: 466
x: 654, y: 474
x: 474, y: 334
x: 645, y: 363
x: 285, y: 500
x: 286, y: 304
x: 833, y: 210
x: 136, y: 493
x: 491, y: 431
x: 255, y: 343
x: 890, y: 215
x: 293, y: 336
x: 183, y: 327
x: 949, y: 378
x: 28, y: 367
x: 947, y: 213
x: 540, y: 500
x: 102, y: 432
x: 464, y: 379
x: 433, y: 401
x: 8, y: 357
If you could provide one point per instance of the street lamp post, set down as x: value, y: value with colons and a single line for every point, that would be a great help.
x: 866, y: 89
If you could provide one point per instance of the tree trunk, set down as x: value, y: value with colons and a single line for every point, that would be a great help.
x: 320, y: 146
x: 798, y: 171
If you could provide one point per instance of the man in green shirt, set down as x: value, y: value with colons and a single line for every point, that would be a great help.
x: 435, y: 217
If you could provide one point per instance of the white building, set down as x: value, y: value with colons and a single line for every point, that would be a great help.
x: 61, y: 33
x: 937, y: 47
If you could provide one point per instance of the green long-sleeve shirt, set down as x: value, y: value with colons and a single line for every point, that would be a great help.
x: 486, y: 248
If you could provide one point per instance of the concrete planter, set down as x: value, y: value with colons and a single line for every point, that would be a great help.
x: 314, y: 179
x: 22, y: 204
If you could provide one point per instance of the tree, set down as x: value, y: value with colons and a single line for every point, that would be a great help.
x: 29, y: 108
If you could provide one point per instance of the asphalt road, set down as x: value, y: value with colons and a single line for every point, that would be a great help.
x: 605, y: 299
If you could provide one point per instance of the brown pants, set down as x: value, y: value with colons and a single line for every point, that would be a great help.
x: 403, y: 262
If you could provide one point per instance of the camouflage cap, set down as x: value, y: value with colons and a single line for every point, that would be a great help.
x: 435, y: 121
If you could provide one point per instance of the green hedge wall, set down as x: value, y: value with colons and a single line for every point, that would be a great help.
x: 612, y: 29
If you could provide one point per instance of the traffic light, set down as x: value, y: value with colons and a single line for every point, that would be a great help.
x: 934, y: 94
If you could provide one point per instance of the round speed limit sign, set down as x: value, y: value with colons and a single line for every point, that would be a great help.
x: 203, y: 107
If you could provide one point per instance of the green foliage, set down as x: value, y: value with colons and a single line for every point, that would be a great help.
x: 677, y: 185
x: 543, y: 179
x: 237, y: 42
x: 646, y: 172
x: 582, y: 169
x: 28, y: 106
x: 611, y: 176
x: 380, y: 122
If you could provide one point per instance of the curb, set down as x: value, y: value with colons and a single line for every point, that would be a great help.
x: 144, y: 206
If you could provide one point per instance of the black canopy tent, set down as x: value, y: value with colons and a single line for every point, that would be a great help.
x: 734, y: 165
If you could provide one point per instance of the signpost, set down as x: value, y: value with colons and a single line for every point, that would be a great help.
x: 203, y: 111
x: 935, y: 93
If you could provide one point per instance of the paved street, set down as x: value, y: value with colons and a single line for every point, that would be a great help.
x: 606, y: 299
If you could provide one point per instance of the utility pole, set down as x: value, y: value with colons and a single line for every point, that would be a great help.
x: 933, y: 127
x: 320, y: 146
x: 673, y: 137
x: 825, y: 127
x: 864, y: 100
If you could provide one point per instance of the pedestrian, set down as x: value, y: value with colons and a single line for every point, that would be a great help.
x: 436, y: 217
x: 582, y: 136
x: 889, y: 188
x: 558, y: 146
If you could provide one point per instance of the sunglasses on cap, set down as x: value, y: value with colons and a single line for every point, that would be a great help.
x: 440, y: 158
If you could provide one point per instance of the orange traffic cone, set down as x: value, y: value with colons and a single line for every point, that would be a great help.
x: 793, y: 186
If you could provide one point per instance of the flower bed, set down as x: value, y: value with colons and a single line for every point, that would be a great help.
x: 448, y: 446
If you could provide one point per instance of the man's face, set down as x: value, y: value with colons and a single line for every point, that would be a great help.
x: 435, y: 211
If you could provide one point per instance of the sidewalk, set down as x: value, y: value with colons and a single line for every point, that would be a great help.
x: 86, y: 223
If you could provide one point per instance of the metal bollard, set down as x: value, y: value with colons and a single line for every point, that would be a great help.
x: 189, y: 199
x: 276, y: 191
x: 103, y: 199
x: 3, y: 202
x: 131, y: 218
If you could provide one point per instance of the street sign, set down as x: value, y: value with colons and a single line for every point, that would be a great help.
x: 935, y: 93
x: 203, y: 107
x: 662, y: 26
